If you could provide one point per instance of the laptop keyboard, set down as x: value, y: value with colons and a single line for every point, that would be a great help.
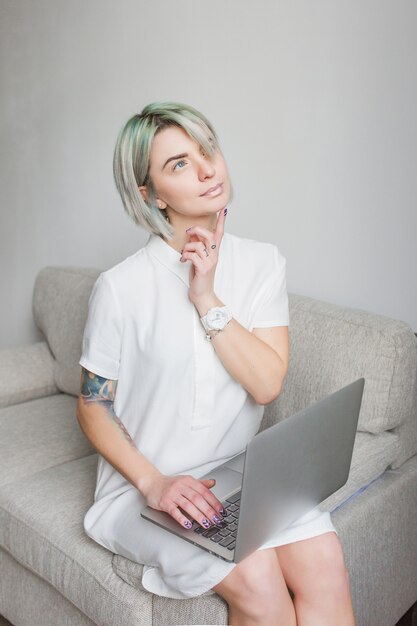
x: 224, y: 534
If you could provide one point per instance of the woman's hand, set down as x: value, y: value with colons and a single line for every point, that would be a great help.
x: 170, y: 493
x: 203, y: 252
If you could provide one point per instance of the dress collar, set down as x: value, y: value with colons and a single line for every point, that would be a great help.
x: 169, y: 257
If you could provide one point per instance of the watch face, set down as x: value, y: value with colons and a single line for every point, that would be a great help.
x: 216, y: 319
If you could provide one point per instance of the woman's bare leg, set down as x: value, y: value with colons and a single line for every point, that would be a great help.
x: 256, y: 592
x: 315, y: 571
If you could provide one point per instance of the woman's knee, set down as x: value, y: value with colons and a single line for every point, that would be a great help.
x: 332, y: 564
x: 335, y: 577
x: 328, y: 573
x: 259, y: 575
x: 257, y: 587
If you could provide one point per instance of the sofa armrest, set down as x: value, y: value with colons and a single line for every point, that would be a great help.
x: 26, y: 373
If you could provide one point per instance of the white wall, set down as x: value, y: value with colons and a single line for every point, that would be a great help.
x: 315, y: 104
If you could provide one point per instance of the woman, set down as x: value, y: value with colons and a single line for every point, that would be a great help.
x: 185, y: 341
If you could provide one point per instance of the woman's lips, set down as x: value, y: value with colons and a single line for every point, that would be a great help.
x: 213, y: 191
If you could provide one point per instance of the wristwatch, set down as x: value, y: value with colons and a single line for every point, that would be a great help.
x: 215, y: 320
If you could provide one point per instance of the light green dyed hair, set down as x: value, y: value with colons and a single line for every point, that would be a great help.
x: 132, y: 152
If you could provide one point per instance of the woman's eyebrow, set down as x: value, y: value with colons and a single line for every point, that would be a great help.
x: 177, y: 156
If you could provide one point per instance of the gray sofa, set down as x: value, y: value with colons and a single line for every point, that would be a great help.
x: 52, y: 574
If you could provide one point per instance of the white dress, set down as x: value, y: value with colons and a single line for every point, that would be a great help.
x: 181, y: 407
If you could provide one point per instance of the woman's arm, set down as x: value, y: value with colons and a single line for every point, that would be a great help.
x: 108, y: 435
x: 258, y: 360
x: 105, y: 431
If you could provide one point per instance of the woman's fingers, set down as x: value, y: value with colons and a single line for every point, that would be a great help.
x: 178, y: 516
x: 191, y: 499
x: 211, y: 240
x: 208, y: 235
x: 219, y: 232
x: 195, y: 259
x: 196, y: 508
x: 210, y: 497
x: 203, y: 236
x: 202, y: 506
x: 197, y: 247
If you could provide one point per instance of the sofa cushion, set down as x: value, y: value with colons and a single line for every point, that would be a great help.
x: 39, y: 434
x: 28, y: 600
x: 372, y: 454
x: 202, y: 610
x: 60, y: 306
x: 210, y: 608
x: 41, y: 527
x: 207, y: 609
x: 26, y: 373
x: 332, y: 346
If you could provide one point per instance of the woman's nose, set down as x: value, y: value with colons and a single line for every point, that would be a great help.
x: 206, y: 168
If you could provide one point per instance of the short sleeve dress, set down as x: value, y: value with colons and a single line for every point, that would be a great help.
x: 181, y: 407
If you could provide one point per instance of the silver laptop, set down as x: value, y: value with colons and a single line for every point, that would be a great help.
x: 286, y: 471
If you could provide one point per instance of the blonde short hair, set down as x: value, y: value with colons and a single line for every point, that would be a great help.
x: 132, y: 152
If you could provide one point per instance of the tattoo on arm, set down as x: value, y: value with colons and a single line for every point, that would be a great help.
x: 102, y: 391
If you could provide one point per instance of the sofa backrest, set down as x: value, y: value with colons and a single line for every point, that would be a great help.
x: 60, y: 306
x: 331, y: 346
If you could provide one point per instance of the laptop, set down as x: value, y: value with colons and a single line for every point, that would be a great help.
x: 286, y: 470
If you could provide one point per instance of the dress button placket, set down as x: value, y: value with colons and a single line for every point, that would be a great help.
x: 204, y: 357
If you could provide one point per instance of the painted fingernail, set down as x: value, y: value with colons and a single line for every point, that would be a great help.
x: 187, y: 524
x: 205, y: 523
x: 225, y: 211
x: 217, y: 519
x: 188, y: 229
x: 223, y: 512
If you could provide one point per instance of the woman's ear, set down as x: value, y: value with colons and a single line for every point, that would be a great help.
x: 143, y: 190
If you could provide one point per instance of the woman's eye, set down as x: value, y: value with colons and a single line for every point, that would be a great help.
x: 179, y: 165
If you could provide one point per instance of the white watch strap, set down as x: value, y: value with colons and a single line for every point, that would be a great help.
x: 212, y: 333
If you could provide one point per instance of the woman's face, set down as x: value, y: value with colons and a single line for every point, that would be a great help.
x: 186, y: 181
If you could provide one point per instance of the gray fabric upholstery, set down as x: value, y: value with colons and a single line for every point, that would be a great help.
x: 27, y: 600
x: 41, y: 527
x: 407, y: 441
x: 333, y: 346
x: 378, y: 530
x: 407, y: 433
x: 26, y: 373
x: 60, y: 306
x: 203, y: 610
x: 210, y: 609
x: 128, y: 570
x: 39, y: 434
x: 372, y: 454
